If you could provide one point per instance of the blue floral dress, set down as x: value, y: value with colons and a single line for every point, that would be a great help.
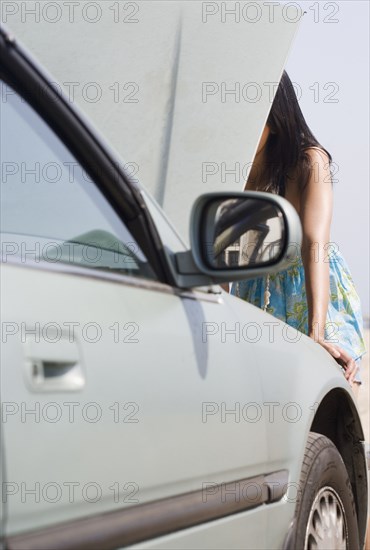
x: 288, y: 302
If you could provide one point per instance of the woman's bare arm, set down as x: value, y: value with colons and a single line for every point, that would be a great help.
x: 316, y: 215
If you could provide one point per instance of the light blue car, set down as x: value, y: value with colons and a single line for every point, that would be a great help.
x: 143, y: 406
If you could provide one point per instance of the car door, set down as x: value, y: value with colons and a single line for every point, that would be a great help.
x: 114, y: 395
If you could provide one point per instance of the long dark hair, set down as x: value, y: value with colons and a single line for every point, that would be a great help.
x: 289, y: 135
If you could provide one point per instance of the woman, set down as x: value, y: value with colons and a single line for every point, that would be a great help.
x: 315, y: 294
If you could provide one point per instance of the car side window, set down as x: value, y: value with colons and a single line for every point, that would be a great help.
x: 51, y: 210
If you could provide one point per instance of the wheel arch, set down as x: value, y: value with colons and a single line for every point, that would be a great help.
x: 337, y: 418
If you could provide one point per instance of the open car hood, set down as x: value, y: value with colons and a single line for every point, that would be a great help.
x: 181, y: 90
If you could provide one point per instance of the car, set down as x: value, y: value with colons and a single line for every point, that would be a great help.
x: 142, y: 405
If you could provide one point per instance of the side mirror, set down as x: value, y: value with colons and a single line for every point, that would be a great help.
x: 241, y: 235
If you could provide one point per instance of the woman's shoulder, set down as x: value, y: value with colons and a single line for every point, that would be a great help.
x: 313, y: 156
x: 315, y: 152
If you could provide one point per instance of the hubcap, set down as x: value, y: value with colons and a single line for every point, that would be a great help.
x: 327, y: 525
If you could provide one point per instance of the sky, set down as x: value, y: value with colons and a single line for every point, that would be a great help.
x: 329, y: 62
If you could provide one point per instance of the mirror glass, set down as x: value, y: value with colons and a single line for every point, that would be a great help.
x: 243, y: 232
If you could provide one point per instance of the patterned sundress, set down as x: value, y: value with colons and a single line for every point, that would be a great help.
x: 288, y: 302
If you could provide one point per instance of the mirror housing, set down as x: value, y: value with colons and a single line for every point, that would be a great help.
x: 238, y: 235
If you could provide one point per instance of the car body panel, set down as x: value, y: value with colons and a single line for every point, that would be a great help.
x: 170, y: 449
x: 186, y: 384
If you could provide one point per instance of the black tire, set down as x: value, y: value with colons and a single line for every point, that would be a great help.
x: 324, y: 501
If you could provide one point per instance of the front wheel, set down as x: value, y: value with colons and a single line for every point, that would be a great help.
x: 325, y: 516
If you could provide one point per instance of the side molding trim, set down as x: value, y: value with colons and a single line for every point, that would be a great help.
x: 132, y: 525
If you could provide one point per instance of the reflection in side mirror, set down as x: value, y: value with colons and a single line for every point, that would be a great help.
x: 243, y: 232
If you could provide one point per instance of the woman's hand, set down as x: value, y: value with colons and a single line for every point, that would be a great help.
x: 343, y: 359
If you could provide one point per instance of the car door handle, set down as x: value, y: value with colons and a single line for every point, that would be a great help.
x: 53, y: 365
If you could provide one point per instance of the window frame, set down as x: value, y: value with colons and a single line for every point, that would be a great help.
x: 22, y: 72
